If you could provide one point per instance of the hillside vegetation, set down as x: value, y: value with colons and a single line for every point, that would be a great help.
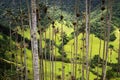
x: 15, y: 41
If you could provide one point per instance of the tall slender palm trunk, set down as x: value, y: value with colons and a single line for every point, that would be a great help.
x: 34, y: 41
x: 23, y: 45
x: 29, y: 17
x: 109, y: 17
x: 87, y: 41
x: 119, y: 55
x: 83, y: 56
x: 63, y: 72
x: 45, y: 54
x: 52, y: 52
x: 10, y: 45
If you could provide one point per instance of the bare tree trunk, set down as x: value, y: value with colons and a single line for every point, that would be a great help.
x: 119, y: 55
x: 103, y: 55
x: 83, y: 56
x: 63, y: 74
x: 16, y: 54
x: 24, y: 53
x: 41, y: 54
x: 87, y: 41
x: 99, y: 59
x: 71, y: 59
x: 104, y: 45
x: 77, y: 13
x: 25, y: 61
x: 109, y: 16
x: 23, y: 44
x: 29, y: 17
x: 55, y: 52
x: 74, y: 51
x: 45, y: 53
x: 21, y: 27
x: 10, y: 46
x: 34, y: 42
x: 52, y: 52
x: 100, y: 46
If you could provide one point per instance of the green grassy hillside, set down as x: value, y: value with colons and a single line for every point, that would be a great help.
x: 12, y: 49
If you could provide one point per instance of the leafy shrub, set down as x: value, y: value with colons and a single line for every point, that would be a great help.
x: 99, y: 30
x: 59, y: 58
x: 112, y: 37
x: 110, y: 74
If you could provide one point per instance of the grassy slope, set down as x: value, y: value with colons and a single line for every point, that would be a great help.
x: 67, y: 47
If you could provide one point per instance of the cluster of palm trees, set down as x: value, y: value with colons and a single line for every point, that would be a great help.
x: 39, y: 55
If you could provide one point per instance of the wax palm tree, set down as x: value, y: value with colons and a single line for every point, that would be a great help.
x: 34, y: 42
x: 87, y: 39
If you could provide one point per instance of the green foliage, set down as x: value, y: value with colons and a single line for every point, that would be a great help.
x: 80, y: 78
x: 116, y: 14
x: 111, y: 74
x: 65, y: 38
x: 112, y: 37
x: 97, y: 28
x: 111, y: 46
x: 59, y: 58
x: 5, y: 70
x: 3, y: 48
x: 94, y: 61
x: 99, y: 31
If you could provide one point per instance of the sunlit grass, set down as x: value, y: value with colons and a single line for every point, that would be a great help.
x: 94, y: 43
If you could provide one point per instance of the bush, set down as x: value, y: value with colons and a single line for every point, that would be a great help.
x: 59, y: 58
x: 98, y: 30
x: 112, y: 37
x: 111, y: 46
x: 110, y: 74
x: 66, y: 60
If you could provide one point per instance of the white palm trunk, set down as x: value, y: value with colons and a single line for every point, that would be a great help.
x: 87, y: 41
x: 83, y: 55
x: 34, y: 42
x: 109, y: 15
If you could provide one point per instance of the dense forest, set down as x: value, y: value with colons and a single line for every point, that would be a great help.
x: 59, y: 40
